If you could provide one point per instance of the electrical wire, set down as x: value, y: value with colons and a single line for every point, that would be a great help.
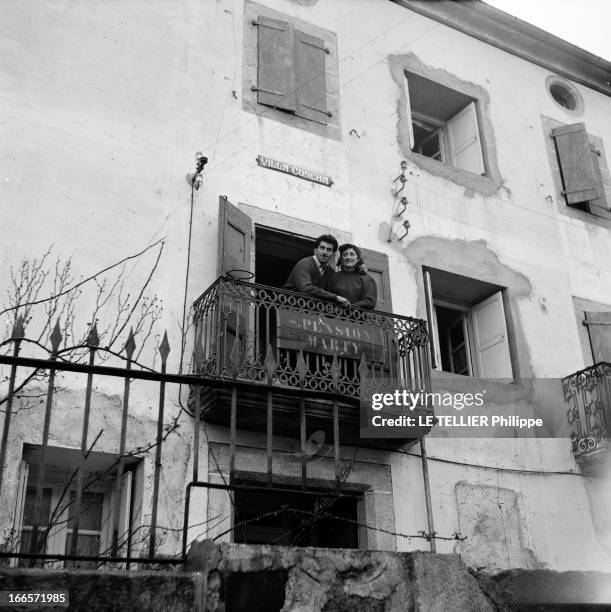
x: 491, y: 467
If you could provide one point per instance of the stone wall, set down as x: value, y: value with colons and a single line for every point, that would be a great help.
x: 242, y: 578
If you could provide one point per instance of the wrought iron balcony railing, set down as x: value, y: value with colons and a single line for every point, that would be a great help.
x: 588, y: 397
x: 265, y: 335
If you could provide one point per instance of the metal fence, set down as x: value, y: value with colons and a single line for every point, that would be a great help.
x: 588, y: 397
x: 246, y: 338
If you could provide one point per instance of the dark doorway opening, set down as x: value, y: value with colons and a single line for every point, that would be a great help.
x: 276, y: 253
x: 296, y: 519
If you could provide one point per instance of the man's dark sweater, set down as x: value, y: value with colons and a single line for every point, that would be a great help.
x: 306, y: 278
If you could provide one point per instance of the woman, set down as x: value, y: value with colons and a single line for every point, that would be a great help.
x: 356, y: 286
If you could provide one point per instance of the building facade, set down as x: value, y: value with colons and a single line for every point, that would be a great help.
x: 464, y: 150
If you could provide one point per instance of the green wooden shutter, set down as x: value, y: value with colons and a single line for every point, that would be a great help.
x: 310, y: 78
x: 275, y: 78
x: 581, y: 176
x: 377, y: 266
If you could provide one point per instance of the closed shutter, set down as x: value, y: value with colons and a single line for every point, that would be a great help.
x: 310, y: 75
x: 581, y: 176
x: 234, y: 241
x: 464, y: 141
x: 599, y: 331
x: 490, y: 338
x: 275, y: 78
x: 377, y: 266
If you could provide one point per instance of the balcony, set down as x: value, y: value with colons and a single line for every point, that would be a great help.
x: 310, y: 355
x: 587, y: 394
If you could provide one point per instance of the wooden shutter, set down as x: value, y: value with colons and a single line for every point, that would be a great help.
x: 310, y: 88
x: 599, y: 331
x: 234, y: 241
x: 408, y: 110
x: 490, y: 338
x: 275, y: 74
x: 581, y: 176
x: 377, y: 266
x: 125, y: 513
x: 464, y: 141
x: 431, y: 314
x: 22, y: 481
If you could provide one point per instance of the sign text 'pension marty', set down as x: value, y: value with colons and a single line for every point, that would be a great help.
x: 302, y: 173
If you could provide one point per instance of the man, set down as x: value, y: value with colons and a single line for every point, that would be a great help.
x: 310, y: 274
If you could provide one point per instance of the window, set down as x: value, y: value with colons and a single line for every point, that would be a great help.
x: 294, y: 519
x: 277, y: 251
x: 580, y: 169
x: 565, y: 95
x: 443, y: 124
x: 57, y: 516
x: 290, y: 71
x: 468, y: 327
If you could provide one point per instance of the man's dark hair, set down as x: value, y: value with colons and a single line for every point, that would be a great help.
x: 326, y: 238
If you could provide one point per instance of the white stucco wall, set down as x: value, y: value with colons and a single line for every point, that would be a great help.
x: 106, y: 105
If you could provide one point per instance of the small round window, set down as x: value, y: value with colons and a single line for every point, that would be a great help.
x: 565, y: 95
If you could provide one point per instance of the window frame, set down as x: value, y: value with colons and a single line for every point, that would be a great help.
x: 576, y: 211
x: 470, y: 327
x: 60, y: 501
x: 487, y: 184
x: 253, y: 12
x: 447, y: 149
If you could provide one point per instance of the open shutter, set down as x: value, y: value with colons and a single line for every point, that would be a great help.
x: 377, y: 266
x: 490, y: 338
x: 464, y: 141
x: 22, y: 481
x: 599, y: 331
x: 275, y: 74
x: 310, y: 77
x: 125, y: 513
x: 431, y: 315
x: 106, y: 531
x: 235, y: 241
x: 408, y: 110
x: 580, y: 168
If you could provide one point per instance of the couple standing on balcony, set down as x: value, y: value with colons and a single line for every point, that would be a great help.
x: 350, y: 285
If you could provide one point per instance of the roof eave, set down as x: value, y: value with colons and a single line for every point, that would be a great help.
x: 495, y: 27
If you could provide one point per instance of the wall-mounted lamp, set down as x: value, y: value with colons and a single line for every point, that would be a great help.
x: 196, y: 179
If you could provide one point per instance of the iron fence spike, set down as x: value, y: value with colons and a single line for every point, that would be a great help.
x: 270, y: 362
x: 301, y: 366
x: 363, y: 370
x: 56, y: 337
x: 335, y: 371
x: 130, y: 345
x: 93, y: 339
x: 198, y: 354
x: 234, y: 355
x: 164, y: 348
x: 18, y: 329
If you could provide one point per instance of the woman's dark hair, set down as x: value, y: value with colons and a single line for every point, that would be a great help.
x: 326, y: 238
x: 345, y: 247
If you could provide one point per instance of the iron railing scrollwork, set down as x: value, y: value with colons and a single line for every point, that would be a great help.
x: 587, y: 394
x: 265, y: 334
